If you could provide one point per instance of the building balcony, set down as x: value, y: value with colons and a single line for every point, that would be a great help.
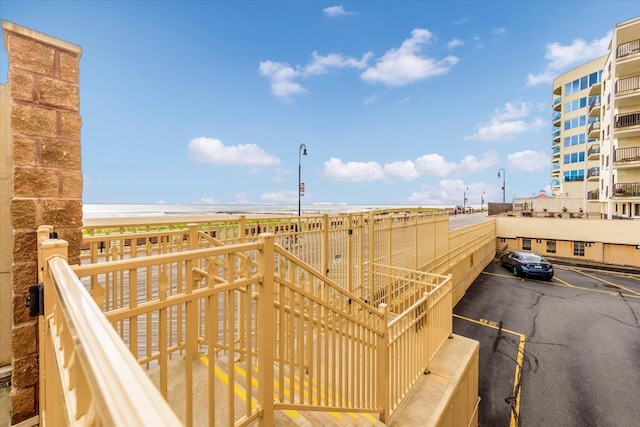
x: 628, y: 57
x: 574, y: 178
x: 555, y: 152
x: 593, y: 153
x: 595, y: 89
x: 626, y: 189
x: 628, y: 91
x: 627, y: 157
x: 593, y: 195
x: 594, y: 107
x: 593, y: 174
x: 555, y: 118
x: 557, y: 104
x: 627, y: 125
x: 593, y: 131
x: 555, y: 183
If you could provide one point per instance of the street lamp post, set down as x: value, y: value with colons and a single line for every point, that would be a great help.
x: 504, y: 175
x: 464, y: 200
x: 301, y: 152
x: 482, y: 201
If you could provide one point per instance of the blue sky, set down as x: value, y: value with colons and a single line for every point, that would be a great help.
x: 411, y: 103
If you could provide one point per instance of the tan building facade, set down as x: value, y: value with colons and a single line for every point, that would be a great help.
x: 596, y: 129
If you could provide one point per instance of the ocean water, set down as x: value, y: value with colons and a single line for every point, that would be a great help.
x: 99, y: 210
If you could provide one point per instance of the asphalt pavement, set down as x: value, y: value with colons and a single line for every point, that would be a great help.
x: 561, y: 353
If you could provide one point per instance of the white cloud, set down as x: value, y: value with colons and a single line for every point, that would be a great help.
x: 207, y: 201
x: 407, y: 170
x: 528, y: 160
x: 405, y: 65
x: 320, y: 64
x: 434, y: 165
x: 454, y: 43
x: 241, y: 198
x: 563, y: 57
x: 212, y: 150
x: 499, y: 31
x: 370, y: 100
x: 282, y: 78
x: 506, y: 123
x: 280, y: 197
x: 402, y: 170
x: 451, y: 192
x: 334, y: 11
x: 335, y: 170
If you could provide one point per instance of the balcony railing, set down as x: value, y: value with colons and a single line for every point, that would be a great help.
x: 555, y: 150
x: 593, y: 172
x: 555, y: 116
x: 555, y: 182
x: 626, y: 189
x: 627, y: 120
x: 593, y: 195
x: 596, y: 103
x: 555, y: 166
x: 628, y: 48
x: 629, y: 154
x: 557, y: 101
x: 594, y: 149
x: 628, y: 85
x: 593, y: 127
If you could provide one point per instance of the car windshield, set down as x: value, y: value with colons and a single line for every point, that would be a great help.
x: 532, y: 258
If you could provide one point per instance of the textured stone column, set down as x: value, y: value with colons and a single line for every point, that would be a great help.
x: 47, y: 180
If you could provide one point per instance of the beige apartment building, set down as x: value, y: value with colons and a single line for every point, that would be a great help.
x: 596, y: 129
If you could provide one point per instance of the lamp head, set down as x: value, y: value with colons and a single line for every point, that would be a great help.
x: 498, y: 174
x: 304, y: 151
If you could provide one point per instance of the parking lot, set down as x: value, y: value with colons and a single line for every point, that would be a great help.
x: 559, y: 353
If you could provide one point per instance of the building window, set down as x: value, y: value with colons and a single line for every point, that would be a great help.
x: 526, y: 244
x: 551, y: 246
x: 578, y: 248
x: 636, y: 211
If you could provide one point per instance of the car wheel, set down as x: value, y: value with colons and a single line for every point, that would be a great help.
x: 515, y: 271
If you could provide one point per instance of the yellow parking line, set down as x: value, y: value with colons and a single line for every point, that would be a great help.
x: 515, y: 414
x: 605, y: 281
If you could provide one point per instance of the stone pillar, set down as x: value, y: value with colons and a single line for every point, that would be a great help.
x: 44, y: 137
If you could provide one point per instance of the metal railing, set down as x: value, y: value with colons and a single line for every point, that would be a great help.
x: 595, y: 103
x: 593, y: 149
x: 593, y: 126
x: 186, y: 302
x: 628, y: 48
x: 627, y: 120
x: 626, y: 189
x: 627, y: 85
x: 593, y: 172
x: 87, y: 374
x: 593, y: 195
x: 628, y: 154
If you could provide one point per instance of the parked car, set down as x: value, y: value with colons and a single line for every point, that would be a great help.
x: 458, y: 210
x: 527, y: 264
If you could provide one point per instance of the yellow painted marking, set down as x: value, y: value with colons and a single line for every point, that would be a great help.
x: 605, y: 281
x: 519, y: 361
x: 240, y: 392
x: 564, y: 282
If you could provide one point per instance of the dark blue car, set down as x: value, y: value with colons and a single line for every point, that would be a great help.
x: 527, y: 264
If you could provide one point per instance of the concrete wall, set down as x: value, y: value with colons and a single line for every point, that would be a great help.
x: 606, y: 241
x: 46, y: 181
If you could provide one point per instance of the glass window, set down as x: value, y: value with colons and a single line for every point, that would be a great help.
x: 583, y: 102
x: 575, y: 86
x: 566, y: 159
x: 583, y: 120
x: 574, y: 157
x: 567, y: 107
x: 575, y: 105
x: 551, y: 246
x: 574, y: 139
x: 581, y: 156
x: 584, y: 83
x: 567, y: 89
x: 593, y: 79
x: 578, y: 248
x: 526, y: 244
x: 581, y: 138
x: 567, y: 141
x: 636, y: 211
x: 574, y: 122
x: 567, y: 124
